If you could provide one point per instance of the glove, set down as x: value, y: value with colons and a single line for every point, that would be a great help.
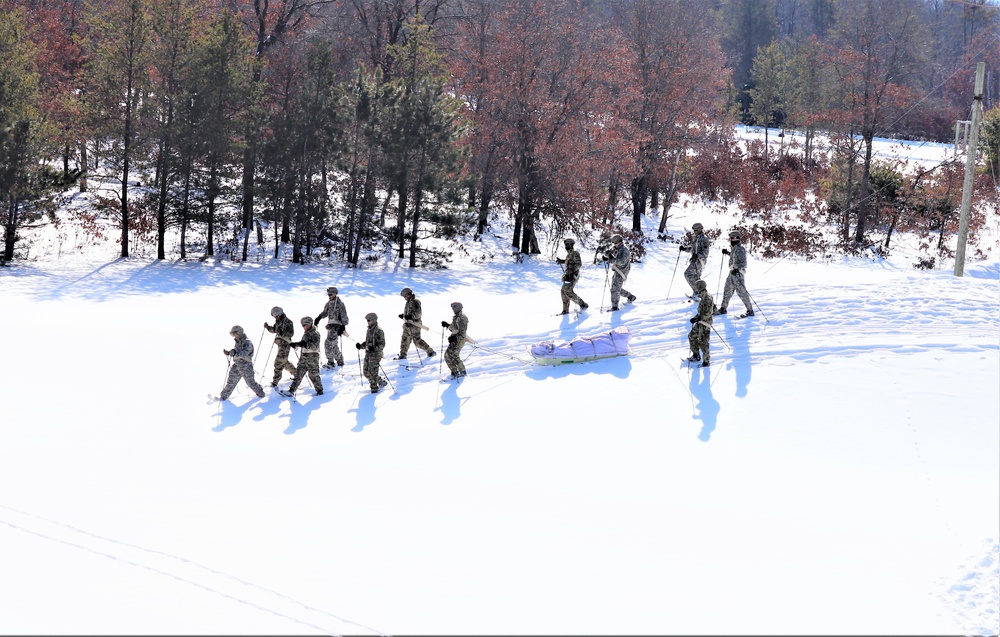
x: 296, y: 344
x: 605, y: 258
x: 402, y: 317
x: 685, y: 248
x: 452, y: 338
x: 315, y: 320
x: 340, y: 330
x: 724, y: 251
x: 444, y: 324
x: 359, y: 345
x: 560, y: 261
x: 268, y: 327
x: 408, y: 317
x: 694, y: 319
x: 227, y: 352
x: 735, y: 270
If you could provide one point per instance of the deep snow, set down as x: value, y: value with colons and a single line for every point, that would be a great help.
x: 835, y: 471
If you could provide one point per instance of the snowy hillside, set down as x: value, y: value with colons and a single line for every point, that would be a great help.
x: 834, y: 471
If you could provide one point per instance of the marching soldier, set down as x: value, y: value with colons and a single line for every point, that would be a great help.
x: 456, y: 340
x: 736, y: 281
x: 699, y: 256
x: 242, y: 365
x: 373, y: 346
x: 571, y: 275
x: 309, y: 359
x: 283, y: 330
x: 412, y: 313
x: 701, y: 326
x: 336, y: 322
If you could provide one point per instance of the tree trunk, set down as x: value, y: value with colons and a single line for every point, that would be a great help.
x: 863, y: 204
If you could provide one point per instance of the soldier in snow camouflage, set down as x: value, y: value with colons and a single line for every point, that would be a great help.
x: 701, y: 325
x: 242, y: 365
x: 309, y: 360
x: 411, y: 316
x: 573, y: 263
x: 373, y: 346
x: 456, y: 340
x: 736, y: 281
x: 699, y: 256
x: 336, y: 322
x: 621, y: 262
x: 283, y: 330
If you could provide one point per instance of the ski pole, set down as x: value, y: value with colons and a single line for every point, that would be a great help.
x: 265, y: 362
x: 440, y: 362
x: 229, y: 366
x: 605, y: 291
x: 720, y: 337
x: 719, y: 283
x: 754, y: 301
x: 361, y: 373
x: 259, y: 341
x: 674, y: 275
x: 386, y: 376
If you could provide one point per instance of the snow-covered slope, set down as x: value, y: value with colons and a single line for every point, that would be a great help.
x: 834, y: 471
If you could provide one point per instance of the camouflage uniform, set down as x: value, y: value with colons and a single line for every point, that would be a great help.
x: 412, y: 313
x: 456, y: 341
x: 621, y: 264
x: 699, y: 256
x: 283, y: 330
x: 335, y: 313
x: 374, y: 345
x: 241, y: 367
x: 736, y: 282
x: 701, y: 329
x: 570, y: 277
x: 308, y: 360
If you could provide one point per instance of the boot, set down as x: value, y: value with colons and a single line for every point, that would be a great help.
x: 721, y: 310
x: 694, y: 358
x: 583, y: 305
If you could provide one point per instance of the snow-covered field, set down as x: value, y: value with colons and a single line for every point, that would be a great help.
x: 836, y: 470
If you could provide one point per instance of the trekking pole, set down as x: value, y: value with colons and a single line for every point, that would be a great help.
x: 265, y: 361
x: 386, y: 376
x: 442, y: 354
x: 229, y: 366
x: 259, y: 341
x: 719, y: 283
x: 605, y: 291
x: 674, y: 275
x: 754, y: 301
x: 361, y: 373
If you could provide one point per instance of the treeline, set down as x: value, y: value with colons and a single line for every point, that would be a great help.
x: 355, y: 122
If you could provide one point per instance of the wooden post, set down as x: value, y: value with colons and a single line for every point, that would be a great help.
x: 970, y: 170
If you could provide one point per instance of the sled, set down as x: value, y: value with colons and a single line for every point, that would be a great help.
x: 583, y: 348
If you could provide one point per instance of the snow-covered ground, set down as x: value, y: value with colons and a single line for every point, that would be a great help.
x: 836, y: 470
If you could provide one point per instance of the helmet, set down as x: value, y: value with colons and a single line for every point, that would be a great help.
x: 276, y: 311
x: 697, y: 227
x: 371, y: 316
x: 700, y: 285
x: 734, y: 235
x: 569, y: 241
x: 616, y: 238
x: 306, y: 321
x: 456, y: 306
x: 331, y: 290
x: 236, y: 332
x: 405, y: 292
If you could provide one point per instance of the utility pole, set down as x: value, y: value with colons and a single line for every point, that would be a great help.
x: 970, y: 170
